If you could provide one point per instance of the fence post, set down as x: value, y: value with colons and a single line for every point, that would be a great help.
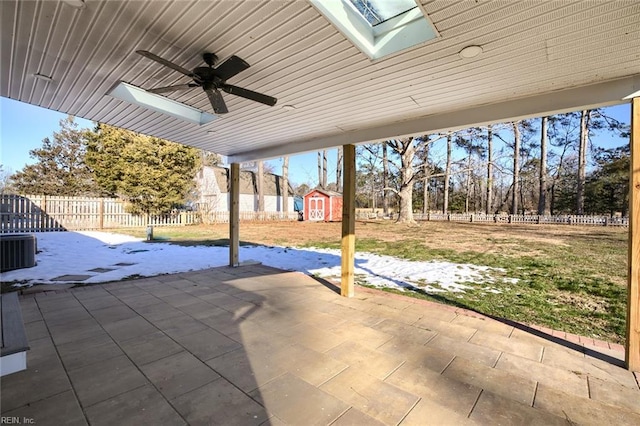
x: 43, y: 213
x: 101, y: 213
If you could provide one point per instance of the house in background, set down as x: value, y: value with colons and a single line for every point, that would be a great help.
x: 212, y: 191
x: 323, y: 205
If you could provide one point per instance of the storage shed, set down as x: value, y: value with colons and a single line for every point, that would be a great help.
x: 322, y: 205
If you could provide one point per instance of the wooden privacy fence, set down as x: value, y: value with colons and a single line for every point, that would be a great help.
x: 39, y: 213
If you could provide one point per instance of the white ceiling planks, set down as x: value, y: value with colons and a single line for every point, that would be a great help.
x: 530, y: 48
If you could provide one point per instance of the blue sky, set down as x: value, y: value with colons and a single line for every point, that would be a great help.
x: 24, y: 126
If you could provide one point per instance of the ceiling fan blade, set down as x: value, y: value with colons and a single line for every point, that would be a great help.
x: 172, y: 88
x: 166, y: 63
x: 215, y: 97
x: 249, y: 94
x: 231, y: 67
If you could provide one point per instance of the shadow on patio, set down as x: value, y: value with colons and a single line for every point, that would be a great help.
x: 256, y: 345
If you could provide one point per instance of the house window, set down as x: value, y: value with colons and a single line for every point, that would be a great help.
x: 379, y: 27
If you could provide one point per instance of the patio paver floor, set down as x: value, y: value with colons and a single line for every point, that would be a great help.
x: 257, y: 345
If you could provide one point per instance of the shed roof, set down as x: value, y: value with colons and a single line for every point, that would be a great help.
x: 325, y: 192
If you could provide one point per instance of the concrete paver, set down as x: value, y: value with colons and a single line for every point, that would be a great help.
x: 456, y: 396
x: 297, y: 402
x: 150, y: 347
x: 582, y: 410
x: 500, y: 382
x: 140, y: 406
x: 380, y: 400
x: 60, y: 409
x: 101, y: 381
x: 492, y: 409
x: 178, y: 374
x: 254, y: 345
x: 376, y: 363
x: 219, y: 403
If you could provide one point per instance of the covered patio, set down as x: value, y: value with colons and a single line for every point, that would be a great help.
x: 256, y: 345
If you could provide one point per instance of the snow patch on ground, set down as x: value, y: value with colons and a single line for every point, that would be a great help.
x: 119, y: 256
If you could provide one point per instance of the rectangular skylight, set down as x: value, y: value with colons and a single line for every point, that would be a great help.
x: 378, y: 11
x: 137, y: 96
x: 379, y: 27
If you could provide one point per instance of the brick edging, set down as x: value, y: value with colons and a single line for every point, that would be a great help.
x: 570, y: 337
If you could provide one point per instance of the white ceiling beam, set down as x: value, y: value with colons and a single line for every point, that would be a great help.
x: 586, y: 97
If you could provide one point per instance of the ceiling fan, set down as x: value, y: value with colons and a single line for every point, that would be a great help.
x: 212, y: 80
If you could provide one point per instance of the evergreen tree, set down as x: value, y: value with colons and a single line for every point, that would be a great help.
x: 60, y: 167
x: 607, y: 188
x: 153, y: 175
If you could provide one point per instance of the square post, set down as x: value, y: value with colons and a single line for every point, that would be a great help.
x: 348, y: 221
x: 234, y: 215
x: 632, y: 347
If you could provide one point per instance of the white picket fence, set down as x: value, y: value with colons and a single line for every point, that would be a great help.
x: 584, y: 220
x: 39, y: 213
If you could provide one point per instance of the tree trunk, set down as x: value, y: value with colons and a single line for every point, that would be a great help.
x: 407, y: 150
x: 467, y: 185
x: 426, y: 170
x: 320, y: 170
x: 285, y: 185
x: 516, y: 168
x: 260, y: 185
x: 339, y: 171
x: 447, y: 175
x: 385, y: 179
x: 582, y: 161
x: 324, y: 169
x: 489, y: 169
x: 542, y: 193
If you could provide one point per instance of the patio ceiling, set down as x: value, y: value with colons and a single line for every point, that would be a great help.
x: 533, y: 51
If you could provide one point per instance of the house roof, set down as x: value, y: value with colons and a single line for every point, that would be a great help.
x: 248, y: 181
x: 538, y: 57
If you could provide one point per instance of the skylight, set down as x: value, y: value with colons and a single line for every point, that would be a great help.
x: 379, y: 27
x: 379, y: 11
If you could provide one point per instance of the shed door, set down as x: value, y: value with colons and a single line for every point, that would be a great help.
x: 316, y: 208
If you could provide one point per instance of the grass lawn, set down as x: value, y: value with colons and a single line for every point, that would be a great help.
x: 569, y: 278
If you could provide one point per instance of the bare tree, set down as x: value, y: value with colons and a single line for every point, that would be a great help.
x: 447, y: 176
x: 285, y: 185
x: 339, y: 171
x: 543, y: 207
x: 320, y: 170
x: 582, y: 160
x: 260, y: 186
x: 516, y: 167
x: 324, y: 169
x: 385, y: 179
x: 406, y: 149
x: 489, y: 169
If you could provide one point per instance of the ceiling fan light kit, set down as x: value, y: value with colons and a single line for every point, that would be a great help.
x: 211, y: 79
